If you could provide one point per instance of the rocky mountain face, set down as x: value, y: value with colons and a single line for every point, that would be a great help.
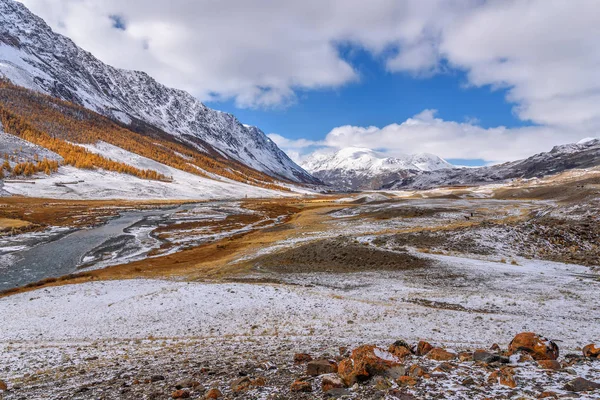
x: 35, y: 57
x: 584, y: 154
x: 362, y: 169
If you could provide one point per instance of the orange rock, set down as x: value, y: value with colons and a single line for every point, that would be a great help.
x: 241, y: 384
x: 548, y: 394
x: 331, y: 381
x: 368, y: 361
x: 213, y: 393
x: 440, y: 354
x: 416, y: 371
x: 301, y: 386
x: 180, y: 394
x: 495, y: 347
x: 539, y: 347
x: 302, y: 357
x: 503, y: 376
x: 259, y: 382
x: 549, y: 364
x: 400, y: 349
x: 591, y: 351
x: 3, y: 386
x: 406, y: 381
x: 465, y: 356
x: 423, y: 348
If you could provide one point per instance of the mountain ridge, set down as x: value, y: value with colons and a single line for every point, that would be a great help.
x: 32, y: 55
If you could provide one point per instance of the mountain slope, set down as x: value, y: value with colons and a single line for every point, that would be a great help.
x: 584, y: 154
x: 360, y: 168
x: 33, y: 56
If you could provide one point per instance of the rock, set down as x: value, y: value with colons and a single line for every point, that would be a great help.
x: 495, y: 347
x: 382, y: 383
x: 547, y: 395
x: 581, y: 385
x: 259, y: 382
x: 302, y: 358
x: 400, y: 349
x: 468, y: 381
x: 337, y: 392
x: 180, y: 394
x: 423, y: 348
x: 398, y: 394
x: 267, y: 365
x: 241, y: 384
x: 368, y: 361
x: 591, y: 351
x: 484, y: 356
x: 156, y: 378
x: 331, y: 381
x: 416, y: 371
x: 440, y: 354
x: 503, y: 376
x: 465, y: 356
x: 3, y: 386
x: 406, y: 381
x: 187, y: 383
x: 213, y: 393
x: 320, y: 367
x: 537, y: 346
x: 301, y: 386
x: 549, y: 365
x: 444, y: 367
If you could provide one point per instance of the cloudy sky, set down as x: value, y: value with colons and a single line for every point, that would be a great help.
x: 473, y: 81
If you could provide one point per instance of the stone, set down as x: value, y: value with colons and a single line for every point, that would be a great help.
x: 537, y: 346
x: 591, y: 351
x: 552, y: 365
x: 548, y: 395
x: 440, y: 354
x: 301, y: 386
x: 300, y: 358
x: 406, y: 381
x: 416, y: 371
x: 495, y: 347
x: 484, y: 356
x: 581, y: 385
x: 400, y: 349
x: 444, y: 367
x: 337, y: 392
x: 382, y: 383
x: 212, y: 394
x: 465, y: 356
x: 156, y: 378
x: 241, y: 384
x: 320, y: 367
x: 468, y: 381
x: 187, y: 383
x: 423, y: 348
x: 331, y: 381
x: 503, y: 376
x: 180, y: 394
x: 3, y: 386
x: 368, y: 361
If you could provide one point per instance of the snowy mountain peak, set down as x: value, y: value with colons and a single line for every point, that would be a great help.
x: 35, y: 57
x: 363, y: 168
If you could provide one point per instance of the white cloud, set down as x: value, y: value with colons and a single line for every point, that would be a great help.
x: 260, y: 52
x: 448, y: 139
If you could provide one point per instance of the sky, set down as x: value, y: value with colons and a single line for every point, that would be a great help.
x: 472, y: 81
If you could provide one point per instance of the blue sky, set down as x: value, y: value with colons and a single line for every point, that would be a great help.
x: 380, y: 98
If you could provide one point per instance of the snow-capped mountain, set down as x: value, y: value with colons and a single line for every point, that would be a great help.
x: 33, y: 56
x: 583, y: 154
x: 361, y: 168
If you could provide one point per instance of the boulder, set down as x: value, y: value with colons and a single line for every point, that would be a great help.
x: 440, y: 354
x: 301, y: 386
x: 368, y: 361
x: 320, y: 367
x: 423, y: 348
x: 591, y: 351
x: 503, y: 376
x: 331, y: 381
x: 180, y: 394
x: 212, y: 394
x: 537, y: 346
x: 302, y: 358
x: 552, y: 365
x: 400, y: 349
x: 581, y: 385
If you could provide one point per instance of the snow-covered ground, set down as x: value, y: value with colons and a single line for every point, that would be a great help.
x: 100, y: 184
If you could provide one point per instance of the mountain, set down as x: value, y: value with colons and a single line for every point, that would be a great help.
x: 361, y: 168
x: 35, y: 57
x: 584, y: 154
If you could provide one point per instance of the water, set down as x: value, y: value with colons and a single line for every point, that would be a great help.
x: 62, y: 256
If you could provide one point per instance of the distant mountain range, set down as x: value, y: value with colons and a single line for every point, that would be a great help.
x: 35, y: 57
x: 361, y: 169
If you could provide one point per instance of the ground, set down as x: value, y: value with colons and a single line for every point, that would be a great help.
x: 461, y: 271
